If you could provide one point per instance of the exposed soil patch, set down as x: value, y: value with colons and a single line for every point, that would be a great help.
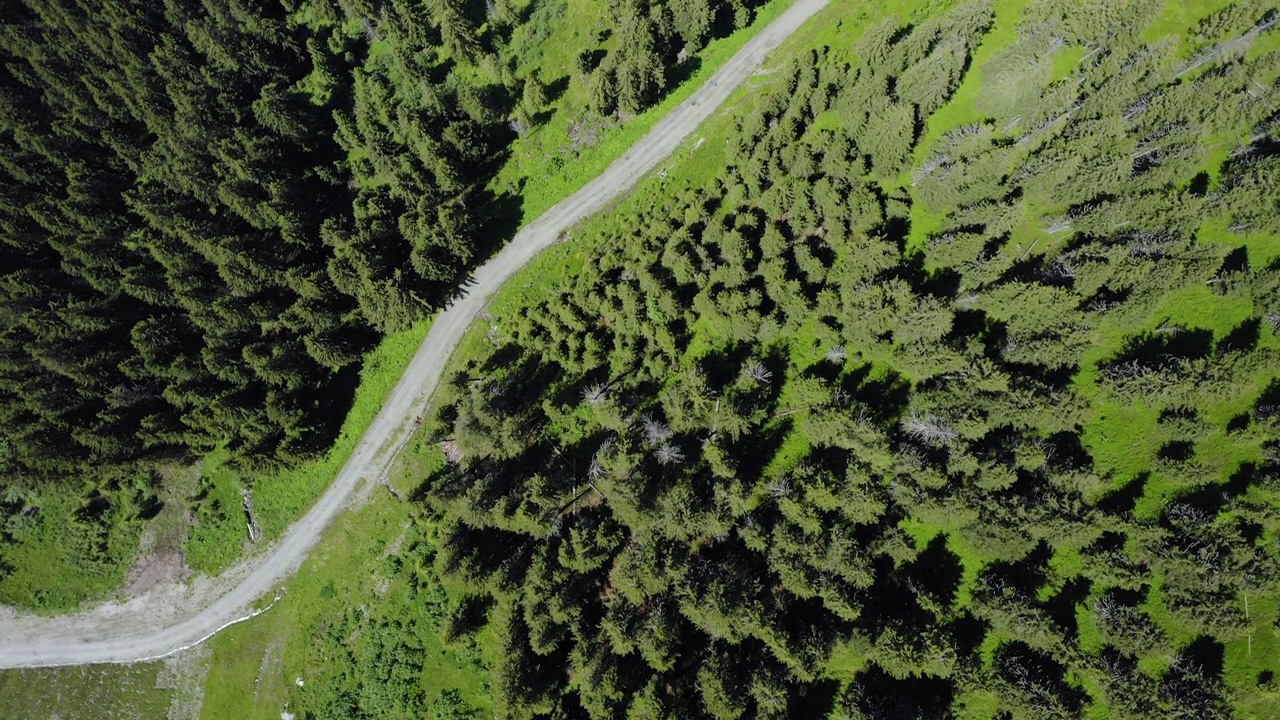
x: 151, y: 570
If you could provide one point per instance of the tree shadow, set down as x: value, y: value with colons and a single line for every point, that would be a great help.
x: 1204, y: 657
x: 331, y: 402
x: 1108, y: 542
x: 814, y: 700
x: 1025, y: 575
x: 755, y: 451
x: 1039, y: 377
x: 876, y: 694
x: 1243, y: 338
x: 557, y: 88
x: 1267, y: 405
x: 886, y: 396
x: 1159, y: 349
x: 1062, y: 606
x: 1038, y: 675
x: 1122, y: 499
x: 1236, y: 261
x: 831, y: 372
x: 503, y: 218
x: 467, y: 615
x: 475, y: 11
x: 526, y: 382
x: 722, y: 365
x: 1175, y: 413
x: 1242, y: 478
x: 808, y: 630
x: 1199, y: 185
x: 589, y: 60
x: 1177, y: 451
x: 1104, y: 298
x: 998, y: 445
x: 678, y: 73
x: 1239, y: 423
x: 967, y: 324
x: 507, y: 355
x: 937, y: 571
x: 1068, y: 451
x: 491, y: 556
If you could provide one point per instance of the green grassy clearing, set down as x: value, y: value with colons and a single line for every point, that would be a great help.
x: 356, y: 565
x: 93, y: 692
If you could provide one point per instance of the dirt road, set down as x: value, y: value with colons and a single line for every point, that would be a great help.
x: 175, y: 616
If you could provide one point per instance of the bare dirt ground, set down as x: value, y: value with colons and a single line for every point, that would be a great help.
x: 173, y: 615
x: 156, y: 568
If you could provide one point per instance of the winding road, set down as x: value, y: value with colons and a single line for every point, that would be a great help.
x: 175, y: 616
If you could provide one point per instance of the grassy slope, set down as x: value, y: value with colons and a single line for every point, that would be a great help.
x: 118, y: 692
x: 349, y: 568
x: 1124, y: 440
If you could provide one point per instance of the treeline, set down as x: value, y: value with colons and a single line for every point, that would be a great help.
x: 652, y: 37
x: 210, y: 210
x: 834, y: 435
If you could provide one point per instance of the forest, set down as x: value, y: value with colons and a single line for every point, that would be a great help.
x: 939, y: 380
x: 905, y: 408
x: 211, y: 211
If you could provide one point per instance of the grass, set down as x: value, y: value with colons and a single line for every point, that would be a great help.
x: 258, y: 662
x: 219, y: 538
x: 94, y: 692
x: 50, y: 570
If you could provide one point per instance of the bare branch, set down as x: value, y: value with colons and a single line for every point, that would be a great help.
x: 930, y: 429
x: 595, y: 393
x: 669, y: 454
x: 655, y: 431
x: 758, y: 372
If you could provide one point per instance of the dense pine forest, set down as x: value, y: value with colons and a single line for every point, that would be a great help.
x: 904, y: 405
x: 212, y: 210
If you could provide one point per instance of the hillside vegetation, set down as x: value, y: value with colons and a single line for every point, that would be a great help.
x: 946, y: 384
x: 939, y: 378
x: 210, y: 212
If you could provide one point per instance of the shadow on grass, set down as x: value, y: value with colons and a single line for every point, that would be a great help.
x: 1122, y: 499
